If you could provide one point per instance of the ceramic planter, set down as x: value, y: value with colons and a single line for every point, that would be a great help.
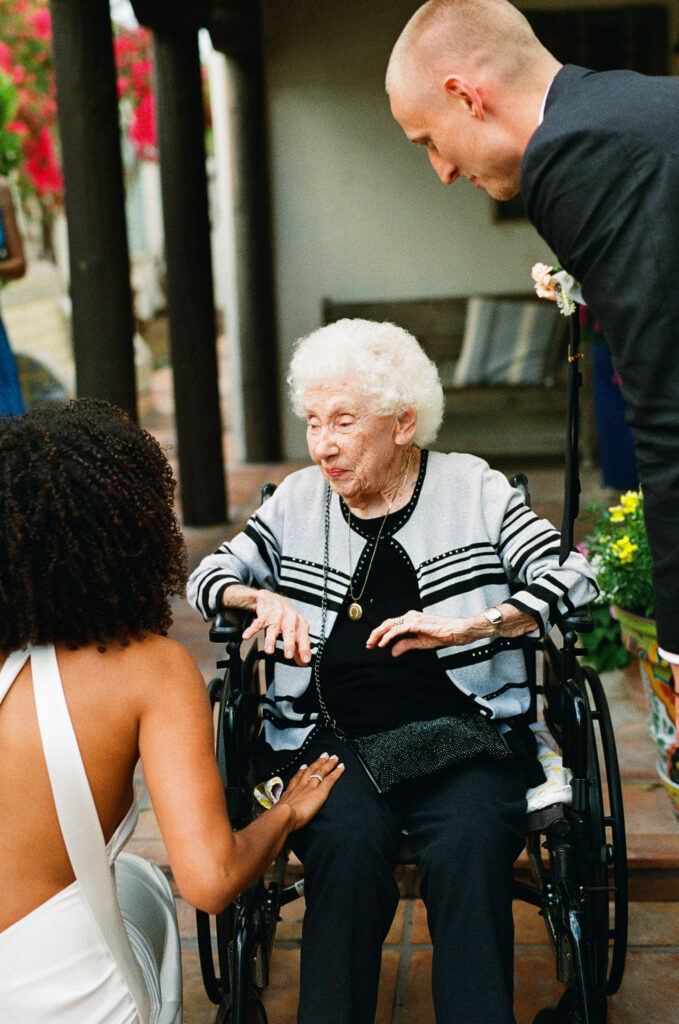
x: 639, y: 637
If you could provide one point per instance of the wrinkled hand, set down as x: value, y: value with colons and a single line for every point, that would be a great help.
x: 307, y: 792
x: 278, y: 616
x: 420, y: 631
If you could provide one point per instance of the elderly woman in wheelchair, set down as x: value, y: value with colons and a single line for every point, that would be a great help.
x: 394, y: 586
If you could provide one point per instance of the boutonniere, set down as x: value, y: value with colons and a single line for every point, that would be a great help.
x: 556, y: 284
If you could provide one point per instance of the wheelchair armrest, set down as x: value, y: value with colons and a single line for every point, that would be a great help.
x: 578, y: 621
x: 542, y: 819
x: 228, y: 625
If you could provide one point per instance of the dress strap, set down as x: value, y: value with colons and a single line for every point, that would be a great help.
x: 10, y: 670
x: 79, y: 820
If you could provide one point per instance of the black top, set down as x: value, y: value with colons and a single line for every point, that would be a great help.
x: 368, y: 691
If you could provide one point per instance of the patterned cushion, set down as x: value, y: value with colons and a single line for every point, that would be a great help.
x: 507, y: 341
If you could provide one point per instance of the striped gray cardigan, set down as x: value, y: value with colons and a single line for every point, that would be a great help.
x: 472, y: 543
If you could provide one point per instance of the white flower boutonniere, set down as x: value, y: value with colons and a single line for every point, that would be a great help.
x: 555, y: 284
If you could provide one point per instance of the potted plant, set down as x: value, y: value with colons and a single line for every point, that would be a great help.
x: 618, y: 549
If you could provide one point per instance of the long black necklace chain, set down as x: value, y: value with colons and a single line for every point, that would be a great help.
x: 355, y: 609
x: 328, y: 719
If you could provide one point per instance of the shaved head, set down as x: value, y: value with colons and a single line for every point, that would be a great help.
x: 466, y: 81
x: 472, y: 34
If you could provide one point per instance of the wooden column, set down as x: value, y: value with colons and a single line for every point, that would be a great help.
x: 236, y: 33
x: 189, y: 274
x: 102, y: 319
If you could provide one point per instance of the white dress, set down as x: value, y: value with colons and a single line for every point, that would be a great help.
x: 70, y: 961
x: 55, y: 966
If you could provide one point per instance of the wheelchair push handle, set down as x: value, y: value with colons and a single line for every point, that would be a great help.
x: 577, y: 621
x: 228, y: 625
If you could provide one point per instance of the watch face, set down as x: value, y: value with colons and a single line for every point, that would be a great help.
x: 494, y: 616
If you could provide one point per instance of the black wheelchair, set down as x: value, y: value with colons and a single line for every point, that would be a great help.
x: 577, y: 855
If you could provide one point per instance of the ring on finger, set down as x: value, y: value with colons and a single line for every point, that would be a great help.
x: 315, y: 776
x: 399, y: 621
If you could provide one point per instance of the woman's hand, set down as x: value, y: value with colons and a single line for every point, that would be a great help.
x: 420, y: 631
x: 278, y: 616
x: 308, y: 789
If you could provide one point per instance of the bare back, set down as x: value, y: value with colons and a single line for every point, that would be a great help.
x: 105, y: 693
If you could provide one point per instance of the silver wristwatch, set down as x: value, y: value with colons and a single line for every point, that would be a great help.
x: 494, y: 616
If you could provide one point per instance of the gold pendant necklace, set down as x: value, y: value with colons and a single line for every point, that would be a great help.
x: 355, y: 611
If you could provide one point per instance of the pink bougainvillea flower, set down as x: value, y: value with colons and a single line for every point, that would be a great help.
x: 5, y: 58
x: 143, y: 129
x: 42, y: 23
x: 142, y: 69
x: 18, y: 127
x: 41, y: 164
x: 122, y: 45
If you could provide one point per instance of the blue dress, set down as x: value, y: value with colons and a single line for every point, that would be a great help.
x: 11, y: 398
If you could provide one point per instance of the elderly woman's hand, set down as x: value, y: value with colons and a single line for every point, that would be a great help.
x: 278, y: 617
x: 420, y: 631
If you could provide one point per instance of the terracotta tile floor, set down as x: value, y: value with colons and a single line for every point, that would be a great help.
x: 650, y: 990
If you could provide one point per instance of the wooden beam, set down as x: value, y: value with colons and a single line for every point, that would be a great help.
x: 173, y: 15
x: 239, y: 39
x: 191, y: 306
x: 102, y: 319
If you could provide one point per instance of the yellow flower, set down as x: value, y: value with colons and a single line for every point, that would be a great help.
x: 624, y: 548
x: 629, y: 501
x: 617, y: 513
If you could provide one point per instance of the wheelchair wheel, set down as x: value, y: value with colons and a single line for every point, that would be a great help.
x: 255, y: 1014
x: 603, y: 864
x: 614, y: 821
x: 588, y: 857
x: 568, y: 1011
x: 589, y: 932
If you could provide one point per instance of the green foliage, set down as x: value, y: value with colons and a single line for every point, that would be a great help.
x: 618, y: 549
x: 605, y: 649
x: 10, y: 141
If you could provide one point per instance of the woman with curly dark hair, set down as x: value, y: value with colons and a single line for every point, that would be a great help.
x: 90, y: 554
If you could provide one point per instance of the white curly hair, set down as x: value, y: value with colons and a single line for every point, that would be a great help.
x: 384, y: 364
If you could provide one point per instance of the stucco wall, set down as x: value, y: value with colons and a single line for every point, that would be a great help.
x: 358, y: 212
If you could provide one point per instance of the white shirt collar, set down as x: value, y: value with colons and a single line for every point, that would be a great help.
x: 544, y: 102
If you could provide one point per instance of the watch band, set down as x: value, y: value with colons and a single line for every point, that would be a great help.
x: 494, y: 616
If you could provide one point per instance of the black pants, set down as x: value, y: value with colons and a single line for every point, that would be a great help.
x: 465, y: 829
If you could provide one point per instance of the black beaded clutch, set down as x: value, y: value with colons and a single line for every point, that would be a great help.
x: 417, y: 749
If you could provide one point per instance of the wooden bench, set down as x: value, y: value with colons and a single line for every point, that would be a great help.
x: 494, y: 421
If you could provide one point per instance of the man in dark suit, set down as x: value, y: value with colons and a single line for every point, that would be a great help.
x: 596, y: 157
